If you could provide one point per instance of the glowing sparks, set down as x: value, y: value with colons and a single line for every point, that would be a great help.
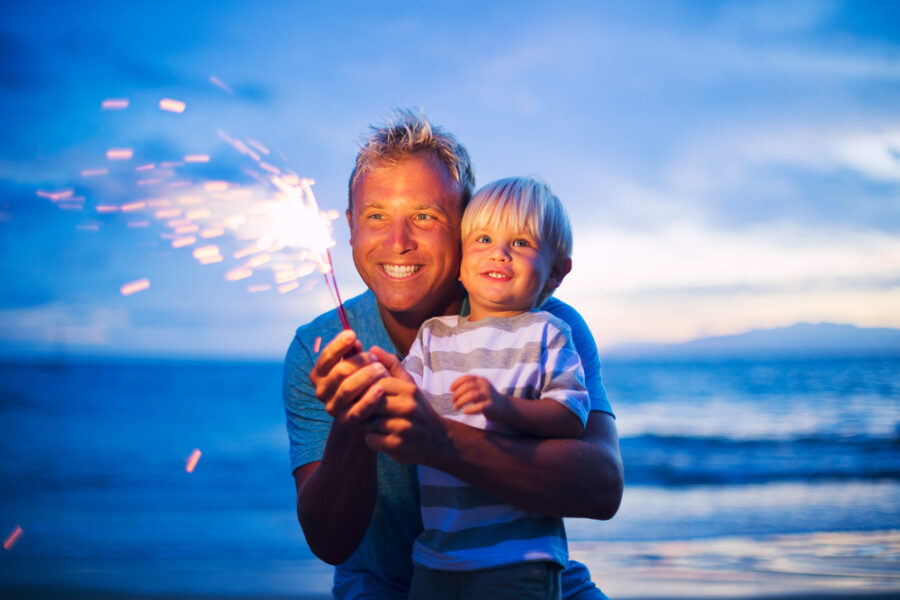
x: 267, y: 167
x: 258, y: 261
x: 132, y: 206
x: 191, y: 461
x: 175, y: 106
x: 94, y: 172
x: 187, y: 229
x: 119, y: 154
x: 215, y: 186
x: 56, y: 196
x: 157, y: 202
x: 167, y: 213
x: 255, y: 289
x: 238, y: 273
x: 198, y: 213
x: 148, y: 181
x: 218, y: 83
x: 115, y: 104
x: 211, y: 232
x: 181, y: 242
x: 285, y: 276
x: 12, y: 538
x: 196, y: 158
x: 317, y: 345
x: 206, y: 252
x: 147, y: 167
x: 134, y: 287
x: 138, y: 224
x: 288, y: 287
x: 106, y: 208
x: 185, y: 200
x: 256, y: 145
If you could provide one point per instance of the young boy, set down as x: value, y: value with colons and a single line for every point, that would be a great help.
x: 506, y: 367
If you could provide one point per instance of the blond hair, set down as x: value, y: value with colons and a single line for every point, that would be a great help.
x: 523, y: 204
x: 408, y: 133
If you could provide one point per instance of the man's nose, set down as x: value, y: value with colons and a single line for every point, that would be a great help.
x: 400, y: 237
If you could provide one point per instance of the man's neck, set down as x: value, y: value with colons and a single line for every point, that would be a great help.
x: 402, y: 327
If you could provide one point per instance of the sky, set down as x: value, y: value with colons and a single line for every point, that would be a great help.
x: 727, y: 166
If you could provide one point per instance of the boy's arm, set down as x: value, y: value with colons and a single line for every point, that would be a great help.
x: 542, y: 417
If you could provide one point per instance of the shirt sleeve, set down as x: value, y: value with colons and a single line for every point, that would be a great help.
x: 587, y: 351
x: 563, y: 375
x: 308, y: 424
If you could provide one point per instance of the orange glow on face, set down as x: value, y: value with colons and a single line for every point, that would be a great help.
x: 181, y: 242
x: 114, y: 104
x: 130, y: 206
x: 175, y: 106
x: 119, y: 154
x: 12, y: 538
x: 238, y: 273
x: 191, y: 461
x: 317, y: 345
x: 134, y: 287
x: 196, y: 158
x: 93, y: 172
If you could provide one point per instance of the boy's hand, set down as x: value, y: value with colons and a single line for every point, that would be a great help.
x: 473, y: 395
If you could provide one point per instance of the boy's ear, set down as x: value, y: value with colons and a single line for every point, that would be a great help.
x: 558, y: 273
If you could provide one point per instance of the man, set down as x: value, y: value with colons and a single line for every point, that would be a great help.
x: 357, y: 423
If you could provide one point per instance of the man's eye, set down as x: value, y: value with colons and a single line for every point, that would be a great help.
x: 423, y: 217
x: 484, y: 239
x: 375, y: 216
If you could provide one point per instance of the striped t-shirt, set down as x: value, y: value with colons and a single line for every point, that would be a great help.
x: 529, y: 355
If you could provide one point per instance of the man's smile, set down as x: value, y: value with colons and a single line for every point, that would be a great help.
x: 400, y: 271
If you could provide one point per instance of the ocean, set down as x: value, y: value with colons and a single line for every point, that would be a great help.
x: 93, y: 456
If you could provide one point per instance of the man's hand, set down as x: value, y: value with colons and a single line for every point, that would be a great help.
x: 473, y: 394
x: 405, y: 426
x: 344, y: 376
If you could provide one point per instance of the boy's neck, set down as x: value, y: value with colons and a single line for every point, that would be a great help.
x: 476, y: 314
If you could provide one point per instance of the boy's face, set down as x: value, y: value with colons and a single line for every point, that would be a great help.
x: 503, y: 271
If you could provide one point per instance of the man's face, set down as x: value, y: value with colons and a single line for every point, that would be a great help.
x: 404, y: 230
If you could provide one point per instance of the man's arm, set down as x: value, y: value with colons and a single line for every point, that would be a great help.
x: 336, y: 495
x: 580, y: 477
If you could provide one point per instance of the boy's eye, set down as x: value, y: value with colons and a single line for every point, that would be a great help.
x: 521, y: 243
x: 483, y: 239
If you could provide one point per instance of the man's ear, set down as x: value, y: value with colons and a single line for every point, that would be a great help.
x: 350, y: 223
x: 558, y: 273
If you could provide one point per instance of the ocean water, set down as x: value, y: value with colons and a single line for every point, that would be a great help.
x: 92, y: 456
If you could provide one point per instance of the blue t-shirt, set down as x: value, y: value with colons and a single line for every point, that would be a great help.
x: 381, y: 566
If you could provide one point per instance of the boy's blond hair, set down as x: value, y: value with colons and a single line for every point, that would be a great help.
x: 523, y: 204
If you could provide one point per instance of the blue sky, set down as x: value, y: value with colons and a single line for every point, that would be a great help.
x: 727, y: 166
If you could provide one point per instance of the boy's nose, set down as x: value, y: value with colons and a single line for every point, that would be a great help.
x: 500, y: 254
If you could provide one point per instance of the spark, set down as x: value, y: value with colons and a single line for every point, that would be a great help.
x: 148, y: 181
x: 238, y: 273
x: 171, y: 163
x: 196, y: 158
x: 285, y: 276
x: 134, y: 287
x: 190, y: 199
x: 267, y: 167
x: 211, y: 232
x: 215, y: 186
x: 157, y: 202
x: 211, y: 259
x: 258, y: 261
x: 199, y: 213
x: 115, y: 104
x: 187, y: 229
x: 167, y: 213
x: 56, y: 196
x: 147, y: 167
x: 317, y: 345
x: 235, y: 221
x: 106, y: 208
x: 206, y: 251
x: 132, y: 206
x: 258, y: 146
x: 174, y: 223
x: 119, y: 154
x: 134, y: 224
x: 181, y: 242
x: 12, y: 538
x: 94, y: 172
x: 305, y: 270
x: 218, y: 82
x: 191, y: 461
x: 259, y: 288
x: 288, y: 287
x: 175, y: 106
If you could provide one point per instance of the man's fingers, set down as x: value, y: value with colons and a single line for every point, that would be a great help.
x: 335, y: 351
x: 391, y: 362
x: 368, y: 403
